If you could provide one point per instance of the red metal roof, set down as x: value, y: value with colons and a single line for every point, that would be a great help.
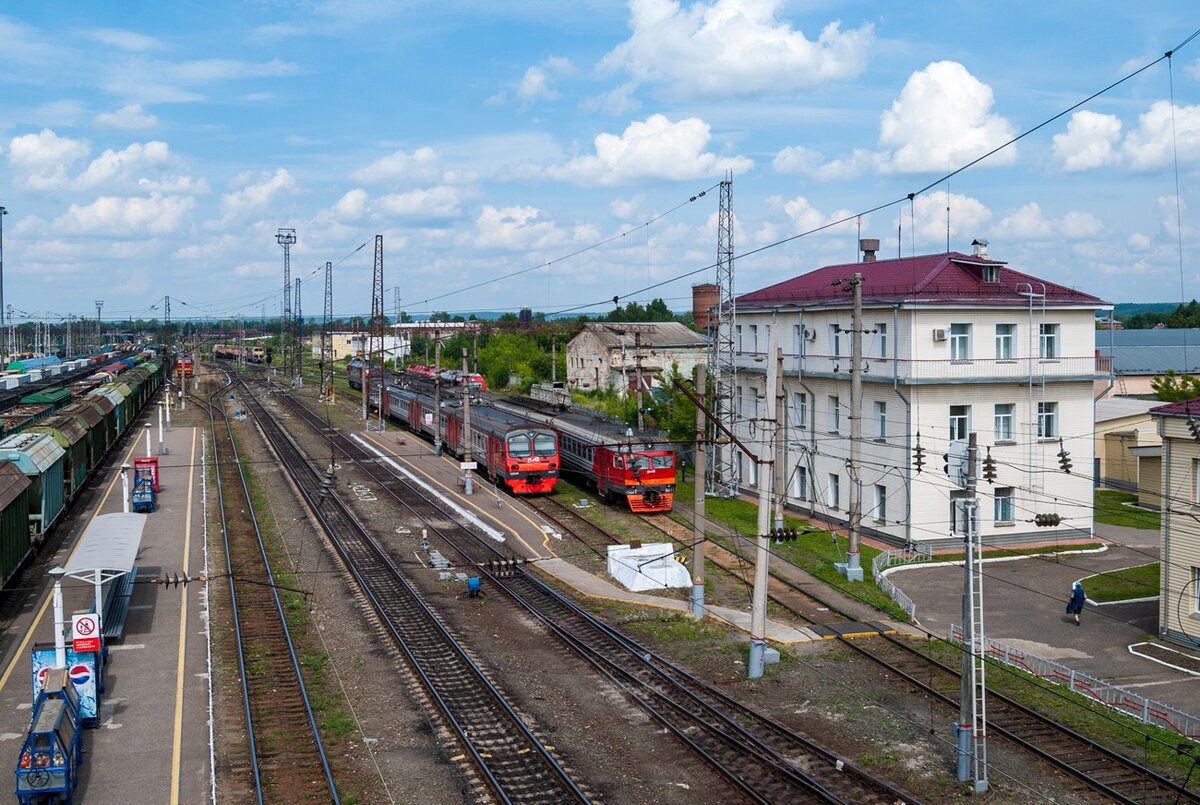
x: 1181, y: 408
x: 950, y: 278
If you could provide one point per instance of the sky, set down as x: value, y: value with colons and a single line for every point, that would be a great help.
x: 554, y: 155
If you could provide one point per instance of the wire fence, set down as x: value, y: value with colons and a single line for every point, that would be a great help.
x: 893, y: 558
x: 1145, y: 710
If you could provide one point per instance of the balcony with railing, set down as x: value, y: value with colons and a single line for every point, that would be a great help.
x: 978, y: 370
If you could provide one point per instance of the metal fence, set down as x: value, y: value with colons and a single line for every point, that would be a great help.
x: 904, y: 556
x: 1146, y: 710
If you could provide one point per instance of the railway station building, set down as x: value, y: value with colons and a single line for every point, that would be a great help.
x: 952, y: 343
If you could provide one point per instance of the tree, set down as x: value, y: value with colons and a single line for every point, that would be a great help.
x: 513, y: 355
x: 1173, y: 387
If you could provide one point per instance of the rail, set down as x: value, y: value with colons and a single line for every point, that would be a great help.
x: 1145, y: 710
x: 895, y: 558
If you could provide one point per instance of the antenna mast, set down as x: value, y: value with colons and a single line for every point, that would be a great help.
x: 376, y: 328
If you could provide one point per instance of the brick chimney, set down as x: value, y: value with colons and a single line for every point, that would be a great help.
x: 868, y: 246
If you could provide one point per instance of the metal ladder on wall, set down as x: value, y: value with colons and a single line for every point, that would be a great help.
x: 979, y: 666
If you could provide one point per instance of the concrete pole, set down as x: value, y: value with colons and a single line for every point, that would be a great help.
x: 60, y: 647
x: 468, y: 478
x: 968, y: 746
x: 162, y: 451
x: 698, y: 522
x: 148, y: 453
x: 366, y: 389
x: 437, y: 395
x: 758, y: 612
x: 853, y: 567
x: 167, y: 399
x: 637, y: 360
x: 125, y: 488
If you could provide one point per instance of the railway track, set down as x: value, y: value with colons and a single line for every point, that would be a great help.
x: 286, y: 761
x: 763, y: 759
x: 510, y: 762
x: 1094, y: 767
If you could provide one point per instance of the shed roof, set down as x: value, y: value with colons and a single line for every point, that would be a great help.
x: 1119, y: 407
x: 110, y: 542
x: 951, y: 278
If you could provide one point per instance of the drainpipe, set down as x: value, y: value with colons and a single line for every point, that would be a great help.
x: 811, y: 425
x: 1164, y: 623
x: 907, y: 424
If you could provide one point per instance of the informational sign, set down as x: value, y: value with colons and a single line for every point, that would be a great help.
x: 468, y: 465
x: 85, y: 632
x: 428, y: 419
x: 81, y: 669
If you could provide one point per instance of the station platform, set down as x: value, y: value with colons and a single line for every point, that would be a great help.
x: 529, y: 538
x: 152, y: 742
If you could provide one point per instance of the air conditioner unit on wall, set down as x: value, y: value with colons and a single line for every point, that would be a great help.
x: 810, y: 335
x: 939, y: 335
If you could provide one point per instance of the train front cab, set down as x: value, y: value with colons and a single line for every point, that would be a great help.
x: 526, y: 460
x: 645, y: 478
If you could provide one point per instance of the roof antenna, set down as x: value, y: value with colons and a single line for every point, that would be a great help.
x: 947, y: 206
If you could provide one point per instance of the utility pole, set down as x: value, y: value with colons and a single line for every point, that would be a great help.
x: 758, y: 612
x: 3, y: 212
x: 723, y: 465
x: 852, y: 568
x: 637, y: 363
x: 299, y: 328
x: 553, y: 359
x: 698, y: 521
x: 780, y: 441
x: 377, y: 324
x: 972, y: 711
x: 437, y: 393
x: 286, y: 238
x: 468, y: 485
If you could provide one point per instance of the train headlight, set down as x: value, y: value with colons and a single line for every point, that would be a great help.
x: 515, y: 467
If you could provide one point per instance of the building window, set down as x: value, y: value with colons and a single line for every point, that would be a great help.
x: 881, y: 332
x: 800, y: 482
x: 835, y: 415
x: 752, y: 396
x: 798, y: 340
x: 960, y: 342
x: 834, y: 491
x: 1003, y: 504
x: 881, y: 419
x: 740, y: 401
x: 1047, y: 420
x: 958, y: 511
x: 1005, y: 413
x: 960, y: 421
x: 880, y: 503
x: 800, y: 409
x: 1196, y: 587
x: 1005, y: 335
x: 738, y: 331
x: 753, y: 338
x: 835, y: 340
x: 1048, y: 341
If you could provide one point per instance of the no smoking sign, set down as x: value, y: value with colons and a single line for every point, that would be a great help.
x: 85, y: 632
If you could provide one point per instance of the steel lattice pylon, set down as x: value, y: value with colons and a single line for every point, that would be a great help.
x: 722, y: 478
x: 377, y: 325
x: 299, y: 362
x: 286, y: 238
x: 326, y: 351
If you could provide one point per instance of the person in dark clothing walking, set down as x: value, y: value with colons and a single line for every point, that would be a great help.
x: 1075, y: 605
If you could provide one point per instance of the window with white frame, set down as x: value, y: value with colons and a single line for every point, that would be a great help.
x: 752, y: 403
x: 738, y: 333
x: 835, y: 415
x: 1003, y: 504
x: 959, y: 500
x: 1048, y: 341
x: 835, y: 340
x: 960, y: 342
x: 1047, y: 413
x: 1005, y: 416
x: 752, y: 338
x: 881, y: 335
x: 800, y: 409
x: 834, y: 493
x: 740, y: 400
x: 881, y: 420
x: 1005, y: 339
x: 960, y: 421
x: 800, y: 482
x: 880, y: 503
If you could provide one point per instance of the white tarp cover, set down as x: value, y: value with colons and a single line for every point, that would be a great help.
x: 650, y: 567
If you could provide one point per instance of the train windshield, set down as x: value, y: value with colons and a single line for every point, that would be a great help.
x: 663, y: 462
x: 543, y: 444
x: 639, y: 463
x: 518, y: 445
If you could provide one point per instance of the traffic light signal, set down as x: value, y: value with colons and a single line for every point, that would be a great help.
x: 1046, y: 520
x: 783, y: 534
x: 989, y: 467
x: 1063, y: 458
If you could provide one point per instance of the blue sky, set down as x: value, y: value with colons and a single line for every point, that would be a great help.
x: 151, y: 149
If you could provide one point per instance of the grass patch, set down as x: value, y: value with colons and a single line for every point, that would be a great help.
x: 1124, y: 584
x: 1110, y: 509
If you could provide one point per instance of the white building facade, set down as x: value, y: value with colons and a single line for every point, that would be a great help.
x: 951, y: 344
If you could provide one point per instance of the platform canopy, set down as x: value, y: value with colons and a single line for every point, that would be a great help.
x: 108, y: 547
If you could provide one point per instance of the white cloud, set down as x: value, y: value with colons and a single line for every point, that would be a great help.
x: 255, y: 196
x: 655, y: 148
x: 421, y: 165
x: 796, y: 159
x: 438, y: 202
x: 943, y: 117
x: 352, y: 205
x: 625, y: 209
x: 126, y: 40
x: 729, y: 48
x: 1138, y: 242
x: 1028, y: 223
x: 514, y: 228
x: 1149, y: 146
x: 156, y: 81
x: 537, y: 83
x: 967, y: 217
x: 129, y: 117
x: 126, y: 165
x: 1192, y: 71
x: 806, y: 217
x: 115, y: 216
x: 616, y: 102
x: 41, y: 161
x: 1088, y: 141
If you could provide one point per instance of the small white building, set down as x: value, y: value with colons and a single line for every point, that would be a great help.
x: 348, y: 344
x: 613, y: 355
x: 951, y: 344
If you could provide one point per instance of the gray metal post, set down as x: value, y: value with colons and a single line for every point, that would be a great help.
x: 853, y: 567
x: 437, y: 394
x: 698, y: 471
x: 972, y: 763
x: 758, y: 612
x: 468, y: 485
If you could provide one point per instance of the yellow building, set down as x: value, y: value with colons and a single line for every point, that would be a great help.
x: 1179, y: 600
x: 1128, y: 448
